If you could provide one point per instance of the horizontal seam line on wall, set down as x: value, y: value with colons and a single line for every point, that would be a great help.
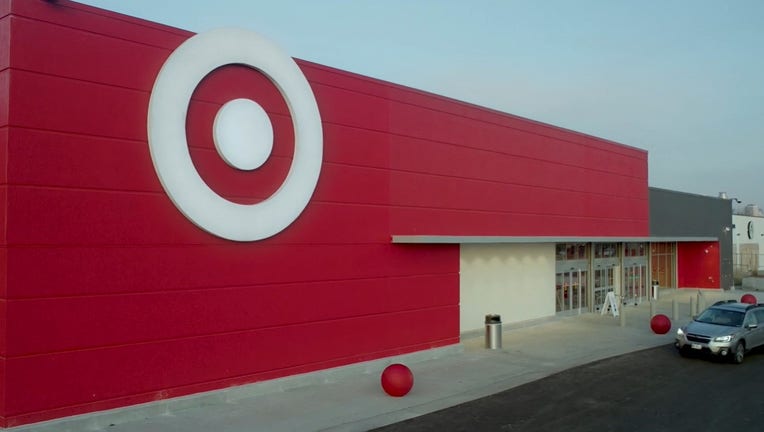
x: 225, y: 333
x: 400, y: 87
x: 388, y: 132
x: 494, y: 112
x: 230, y: 287
x: 138, y: 22
x: 209, y: 149
x: 162, y: 193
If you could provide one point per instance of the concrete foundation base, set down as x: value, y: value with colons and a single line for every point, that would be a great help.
x: 753, y: 283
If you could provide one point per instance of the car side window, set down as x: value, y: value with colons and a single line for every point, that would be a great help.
x: 750, y: 318
x: 759, y: 313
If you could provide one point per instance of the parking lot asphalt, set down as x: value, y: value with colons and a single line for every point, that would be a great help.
x: 650, y: 390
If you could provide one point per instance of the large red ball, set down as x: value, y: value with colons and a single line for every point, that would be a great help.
x: 397, y: 380
x: 748, y: 298
x: 660, y: 324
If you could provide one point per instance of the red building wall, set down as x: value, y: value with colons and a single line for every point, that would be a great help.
x: 110, y: 296
x: 698, y: 265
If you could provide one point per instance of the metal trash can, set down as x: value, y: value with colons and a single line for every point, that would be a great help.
x: 493, y: 331
x: 656, y: 288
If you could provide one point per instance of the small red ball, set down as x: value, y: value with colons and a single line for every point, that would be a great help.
x: 748, y: 298
x: 660, y: 324
x: 397, y: 380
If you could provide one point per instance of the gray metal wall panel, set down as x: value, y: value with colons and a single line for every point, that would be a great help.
x: 675, y: 214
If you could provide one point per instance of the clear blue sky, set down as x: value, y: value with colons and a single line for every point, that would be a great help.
x: 683, y: 79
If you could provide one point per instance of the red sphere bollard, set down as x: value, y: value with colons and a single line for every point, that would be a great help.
x: 660, y: 324
x: 397, y: 380
x: 748, y: 298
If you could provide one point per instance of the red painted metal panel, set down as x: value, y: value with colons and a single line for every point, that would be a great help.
x: 353, y: 146
x: 338, y: 223
x: 87, y: 217
x: 67, y: 216
x: 438, y: 126
x: 465, y: 194
x: 3, y: 218
x: 89, y: 108
x: 75, y: 15
x: 698, y: 265
x: 85, y: 322
x: 64, y: 160
x: 3, y: 272
x: 5, y: 95
x: 110, y: 60
x: 3, y: 418
x: 90, y: 270
x: 3, y: 165
x: 415, y: 155
x: 239, y: 356
x: 44, y: 158
x: 368, y: 112
x: 423, y: 221
x: 3, y: 332
x: 386, y: 90
x: 331, y: 77
x: 5, y: 41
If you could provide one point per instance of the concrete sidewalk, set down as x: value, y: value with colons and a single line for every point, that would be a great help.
x: 350, y: 398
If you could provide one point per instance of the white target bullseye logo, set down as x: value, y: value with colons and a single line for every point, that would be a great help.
x: 242, y: 133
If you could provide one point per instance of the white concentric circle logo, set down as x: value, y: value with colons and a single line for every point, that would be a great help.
x: 242, y: 132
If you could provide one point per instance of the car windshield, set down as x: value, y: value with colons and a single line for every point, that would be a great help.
x: 721, y: 317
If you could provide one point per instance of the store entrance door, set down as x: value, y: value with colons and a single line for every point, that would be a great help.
x: 606, y: 267
x: 636, y: 275
x: 604, y: 281
x: 635, y: 284
x: 571, y: 291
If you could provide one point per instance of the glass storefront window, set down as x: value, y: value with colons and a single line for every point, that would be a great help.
x: 606, y: 250
x: 570, y: 251
x: 635, y: 249
x: 663, y: 256
x: 572, y: 288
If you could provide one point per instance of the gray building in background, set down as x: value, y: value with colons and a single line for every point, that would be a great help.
x: 681, y: 214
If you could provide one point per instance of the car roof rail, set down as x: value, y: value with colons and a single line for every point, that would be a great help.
x: 720, y: 302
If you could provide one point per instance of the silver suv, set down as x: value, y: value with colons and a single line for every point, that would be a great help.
x: 727, y: 329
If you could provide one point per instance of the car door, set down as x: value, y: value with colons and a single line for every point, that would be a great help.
x: 757, y: 334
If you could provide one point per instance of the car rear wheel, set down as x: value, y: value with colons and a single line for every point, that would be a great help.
x: 739, y: 353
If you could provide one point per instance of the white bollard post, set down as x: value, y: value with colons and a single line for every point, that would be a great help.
x: 693, y: 307
x: 675, y: 310
x: 701, y: 302
x: 622, y: 316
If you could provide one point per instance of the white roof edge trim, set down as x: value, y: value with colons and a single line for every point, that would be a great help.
x: 443, y: 239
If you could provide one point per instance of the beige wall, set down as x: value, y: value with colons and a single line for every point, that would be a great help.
x: 513, y: 280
